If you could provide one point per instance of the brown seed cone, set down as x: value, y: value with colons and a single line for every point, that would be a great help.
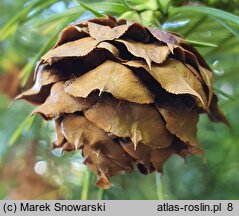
x: 125, y: 94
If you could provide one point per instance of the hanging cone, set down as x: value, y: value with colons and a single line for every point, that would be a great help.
x: 124, y: 94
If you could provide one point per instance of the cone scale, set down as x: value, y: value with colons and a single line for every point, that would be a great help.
x: 125, y: 95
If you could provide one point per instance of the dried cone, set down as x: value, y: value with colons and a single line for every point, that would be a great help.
x: 124, y: 94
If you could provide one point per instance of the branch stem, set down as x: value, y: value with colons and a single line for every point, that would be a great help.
x: 86, y: 186
x: 101, y: 193
x: 159, y: 186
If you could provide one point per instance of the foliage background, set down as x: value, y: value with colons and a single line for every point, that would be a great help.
x: 30, y: 169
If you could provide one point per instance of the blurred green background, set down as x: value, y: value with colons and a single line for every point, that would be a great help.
x: 30, y: 169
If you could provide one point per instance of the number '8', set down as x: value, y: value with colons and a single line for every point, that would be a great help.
x: 229, y: 207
